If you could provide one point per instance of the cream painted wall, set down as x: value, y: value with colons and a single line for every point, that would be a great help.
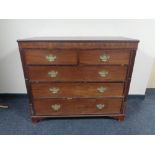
x: 11, y: 74
x: 151, y: 83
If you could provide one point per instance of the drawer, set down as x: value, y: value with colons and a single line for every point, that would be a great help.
x: 83, y: 90
x: 101, y: 73
x: 57, y: 107
x: 104, y: 57
x: 50, y: 57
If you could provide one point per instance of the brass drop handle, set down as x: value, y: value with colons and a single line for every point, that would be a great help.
x: 51, y: 57
x: 54, y: 90
x: 56, y: 107
x: 101, y: 89
x: 100, y: 106
x: 103, y: 73
x: 104, y: 57
x: 52, y: 74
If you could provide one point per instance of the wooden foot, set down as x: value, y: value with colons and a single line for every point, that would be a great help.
x: 119, y: 118
x: 35, y: 119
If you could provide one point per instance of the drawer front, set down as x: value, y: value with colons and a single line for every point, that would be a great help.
x: 83, y: 90
x: 104, y: 57
x: 50, y: 57
x: 66, y: 107
x: 101, y: 73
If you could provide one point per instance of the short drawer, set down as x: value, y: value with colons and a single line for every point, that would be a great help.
x: 104, y: 57
x: 57, y: 107
x: 93, y: 73
x: 83, y: 90
x: 50, y: 57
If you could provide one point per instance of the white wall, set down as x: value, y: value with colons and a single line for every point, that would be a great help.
x: 151, y: 83
x: 11, y: 74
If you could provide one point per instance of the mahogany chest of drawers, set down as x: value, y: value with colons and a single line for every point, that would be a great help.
x: 77, y: 77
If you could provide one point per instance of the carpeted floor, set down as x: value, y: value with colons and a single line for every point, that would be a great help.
x: 140, y: 119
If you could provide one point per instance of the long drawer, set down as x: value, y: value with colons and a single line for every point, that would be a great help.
x: 81, y: 90
x: 93, y: 73
x: 66, y: 107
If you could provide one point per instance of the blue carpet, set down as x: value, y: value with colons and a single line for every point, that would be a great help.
x: 140, y: 119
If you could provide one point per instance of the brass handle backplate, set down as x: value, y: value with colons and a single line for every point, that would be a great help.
x: 100, y: 106
x: 103, y: 73
x: 51, y: 57
x: 56, y: 107
x: 104, y: 57
x: 54, y: 90
x: 101, y: 89
x: 52, y: 73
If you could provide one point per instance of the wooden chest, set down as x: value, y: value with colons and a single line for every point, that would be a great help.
x: 74, y: 77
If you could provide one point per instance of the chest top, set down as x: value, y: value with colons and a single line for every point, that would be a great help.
x: 86, y: 38
x: 78, y: 42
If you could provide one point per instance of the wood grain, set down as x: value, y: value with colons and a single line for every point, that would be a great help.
x: 117, y: 57
x: 81, y: 90
x: 78, y: 44
x: 77, y: 106
x: 83, y: 73
x: 38, y: 57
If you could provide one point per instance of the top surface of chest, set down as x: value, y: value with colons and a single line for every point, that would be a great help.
x: 79, y: 42
x: 84, y: 38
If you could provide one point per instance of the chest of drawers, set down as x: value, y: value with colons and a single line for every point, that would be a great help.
x: 77, y: 77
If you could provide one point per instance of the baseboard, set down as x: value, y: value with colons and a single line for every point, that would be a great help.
x: 136, y: 96
x: 12, y: 95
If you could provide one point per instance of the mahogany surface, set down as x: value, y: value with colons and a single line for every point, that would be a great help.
x: 92, y: 57
x: 78, y: 106
x: 80, y: 73
x: 82, y: 90
x: 38, y: 57
x: 80, y: 66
